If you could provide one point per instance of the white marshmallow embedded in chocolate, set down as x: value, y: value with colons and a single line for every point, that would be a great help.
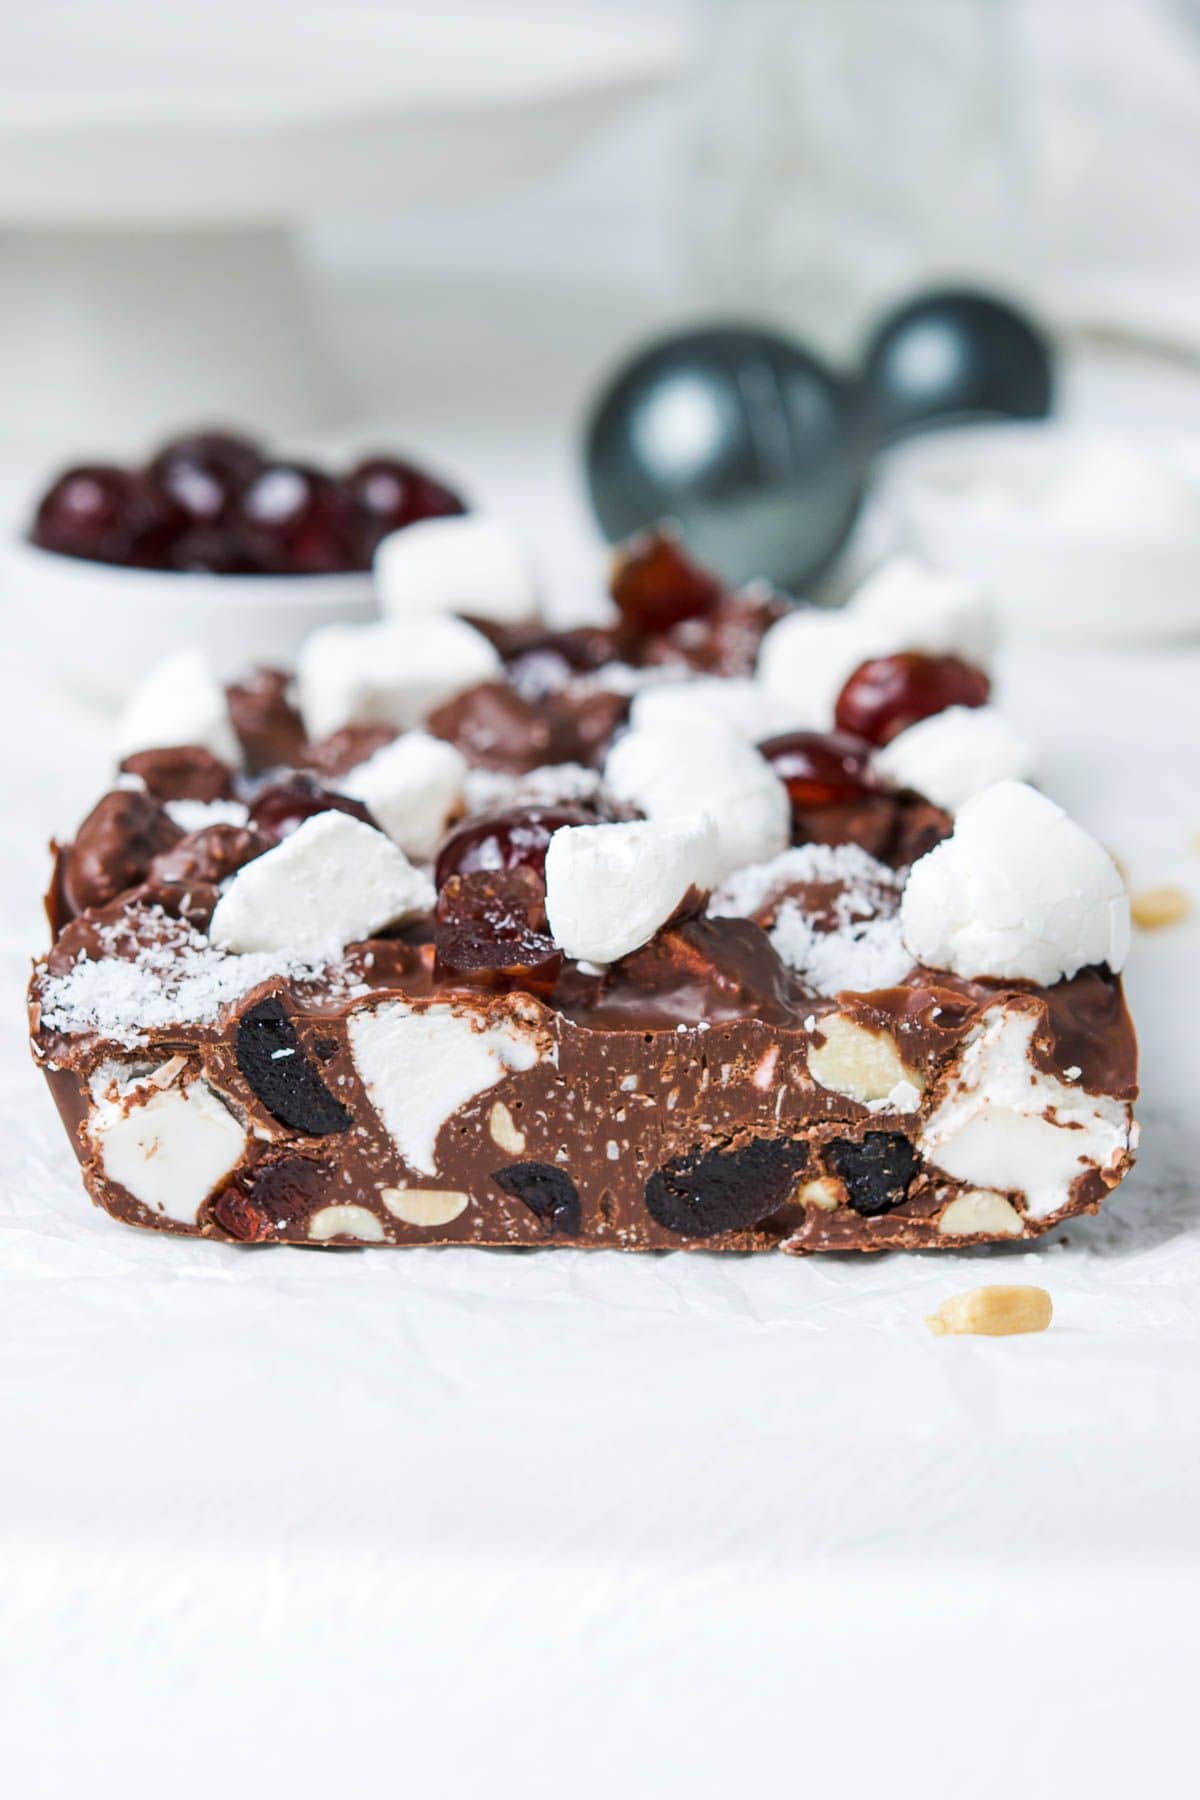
x: 926, y: 609
x: 179, y: 702
x: 705, y: 767
x: 469, y: 564
x: 168, y: 1142
x: 1003, y: 1123
x: 1019, y: 891
x: 332, y: 882
x: 388, y: 674
x: 420, y: 1065
x: 413, y: 788
x: 736, y: 702
x: 609, y: 888
x: 806, y: 659
x: 955, y: 754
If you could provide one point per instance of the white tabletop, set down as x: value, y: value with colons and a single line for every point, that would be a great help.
x: 490, y: 1513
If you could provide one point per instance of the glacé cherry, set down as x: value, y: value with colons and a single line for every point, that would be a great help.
x: 887, y: 694
x: 657, y: 585
x: 278, y: 808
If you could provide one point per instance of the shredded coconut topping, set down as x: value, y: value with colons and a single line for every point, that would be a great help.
x: 178, y: 979
x: 855, y: 944
x: 552, y: 783
x: 868, y: 883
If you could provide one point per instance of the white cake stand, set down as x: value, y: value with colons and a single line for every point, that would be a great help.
x: 153, y: 166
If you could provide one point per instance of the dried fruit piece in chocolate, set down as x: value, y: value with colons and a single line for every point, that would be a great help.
x: 656, y: 584
x: 343, y: 750
x: 513, y: 839
x: 268, y: 727
x: 549, y: 1193
x: 876, y: 1172
x: 208, y: 855
x: 269, y: 1198
x: 273, y: 1062
x: 114, y: 848
x: 705, y: 1194
x: 185, y: 772
x: 491, y: 930
x: 278, y: 809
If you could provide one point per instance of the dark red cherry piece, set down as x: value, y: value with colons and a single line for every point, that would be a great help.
x: 516, y: 839
x: 270, y: 1199
x: 295, y: 520
x: 278, y: 808
x: 393, y: 494
x: 205, y: 471
x: 656, y: 584
x: 819, y: 768
x: 889, y: 693
x: 491, y: 931
x: 105, y: 514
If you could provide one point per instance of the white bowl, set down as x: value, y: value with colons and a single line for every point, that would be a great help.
x: 95, y: 629
x: 1105, y: 563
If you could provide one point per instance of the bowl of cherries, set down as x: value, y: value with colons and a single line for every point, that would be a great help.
x: 213, y: 541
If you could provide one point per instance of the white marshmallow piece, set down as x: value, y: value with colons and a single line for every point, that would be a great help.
x: 955, y: 754
x: 469, y: 564
x: 1019, y: 891
x: 736, y: 702
x: 413, y: 788
x: 609, y: 888
x: 388, y: 674
x: 1004, y: 1123
x: 806, y: 659
x: 169, y: 1146
x: 927, y: 609
x: 179, y: 702
x: 421, y: 1066
x: 704, y: 767
x: 332, y: 882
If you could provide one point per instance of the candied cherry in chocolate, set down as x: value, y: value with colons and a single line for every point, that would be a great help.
x: 491, y: 931
x: 105, y: 514
x: 887, y: 694
x: 279, y: 807
x: 393, y: 494
x: 270, y: 1199
x: 205, y: 471
x: 296, y: 520
x: 656, y: 584
x: 516, y: 839
x: 819, y: 768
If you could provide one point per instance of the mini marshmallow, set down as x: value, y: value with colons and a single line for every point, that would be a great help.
x: 1018, y: 892
x: 609, y: 888
x: 413, y: 788
x: 737, y: 702
x: 955, y: 754
x: 704, y: 767
x: 469, y: 564
x: 332, y: 882
x: 388, y: 674
x: 926, y: 609
x: 179, y: 702
x: 806, y: 659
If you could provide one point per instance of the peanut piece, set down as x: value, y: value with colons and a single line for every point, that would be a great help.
x: 425, y: 1206
x: 1155, y: 907
x: 981, y: 1209
x: 992, y: 1312
x: 864, y: 1065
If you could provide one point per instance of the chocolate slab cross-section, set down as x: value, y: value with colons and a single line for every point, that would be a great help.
x: 769, y: 1071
